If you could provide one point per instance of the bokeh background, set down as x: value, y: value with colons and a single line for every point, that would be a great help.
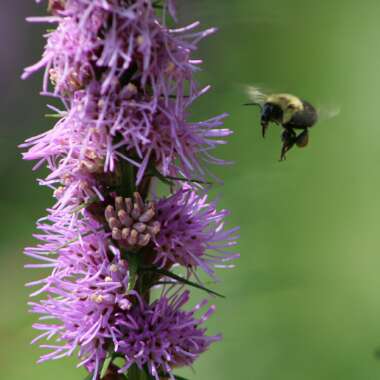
x: 303, y: 303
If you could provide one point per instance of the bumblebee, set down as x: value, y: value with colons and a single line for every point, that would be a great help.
x: 288, y: 111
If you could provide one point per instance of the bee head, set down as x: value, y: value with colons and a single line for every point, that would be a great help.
x: 289, y: 105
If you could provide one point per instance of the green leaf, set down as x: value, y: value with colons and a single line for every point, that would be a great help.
x: 133, y: 266
x: 154, y: 172
x: 190, y: 180
x: 106, y: 364
x: 179, y: 377
x: 180, y: 279
x: 89, y: 377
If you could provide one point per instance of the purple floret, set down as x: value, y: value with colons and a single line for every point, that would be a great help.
x: 192, y: 233
x: 162, y: 336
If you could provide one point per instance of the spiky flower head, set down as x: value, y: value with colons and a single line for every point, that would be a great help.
x: 86, y: 291
x: 163, y: 336
x: 122, y: 75
x: 193, y: 232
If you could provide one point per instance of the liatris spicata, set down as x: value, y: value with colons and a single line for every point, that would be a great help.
x: 126, y: 81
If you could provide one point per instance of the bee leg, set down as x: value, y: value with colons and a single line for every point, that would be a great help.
x: 288, y: 140
x: 264, y: 127
x: 302, y: 139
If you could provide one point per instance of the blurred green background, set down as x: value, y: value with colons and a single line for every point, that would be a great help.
x: 303, y: 303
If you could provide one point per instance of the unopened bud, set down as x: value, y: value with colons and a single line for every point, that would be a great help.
x: 147, y: 216
x: 144, y: 240
x: 119, y: 203
x: 125, y: 218
x: 136, y: 212
x: 114, y: 223
x: 116, y: 234
x: 125, y: 233
x: 109, y: 213
x: 131, y: 221
x: 128, y: 204
x: 133, y: 237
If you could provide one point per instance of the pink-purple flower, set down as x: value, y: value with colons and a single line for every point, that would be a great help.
x: 85, y: 292
x: 163, y: 336
x: 126, y: 83
x: 192, y: 233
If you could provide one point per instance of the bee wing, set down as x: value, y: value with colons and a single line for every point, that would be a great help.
x: 255, y: 95
x: 328, y: 112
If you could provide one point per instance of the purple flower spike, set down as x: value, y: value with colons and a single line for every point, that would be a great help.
x: 126, y: 83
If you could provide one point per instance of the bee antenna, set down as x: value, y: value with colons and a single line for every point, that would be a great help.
x: 252, y: 104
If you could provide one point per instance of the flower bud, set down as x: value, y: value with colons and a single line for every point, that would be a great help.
x: 132, y: 221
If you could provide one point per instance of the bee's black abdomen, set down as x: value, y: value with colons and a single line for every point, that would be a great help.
x: 304, y: 119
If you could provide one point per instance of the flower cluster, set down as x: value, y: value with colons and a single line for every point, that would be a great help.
x: 126, y: 82
x: 162, y: 336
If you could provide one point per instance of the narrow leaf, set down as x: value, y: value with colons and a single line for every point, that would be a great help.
x: 133, y: 267
x: 106, y: 364
x: 153, y: 172
x: 190, y: 180
x: 179, y: 377
x: 182, y: 280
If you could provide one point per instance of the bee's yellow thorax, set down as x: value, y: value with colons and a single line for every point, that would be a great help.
x: 288, y: 103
